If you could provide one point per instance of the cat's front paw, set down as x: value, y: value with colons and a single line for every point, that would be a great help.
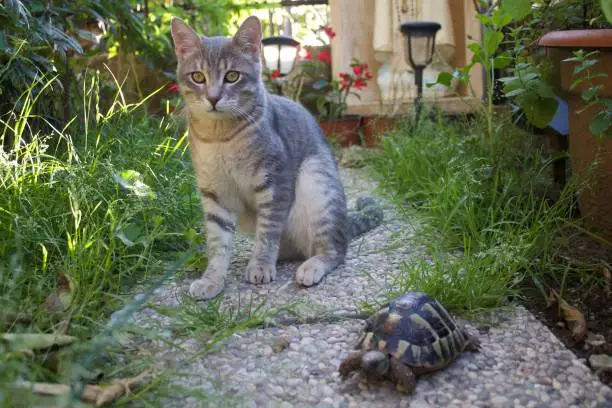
x: 311, y: 272
x: 207, y: 287
x: 258, y: 273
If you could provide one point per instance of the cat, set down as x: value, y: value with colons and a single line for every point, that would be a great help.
x: 262, y: 163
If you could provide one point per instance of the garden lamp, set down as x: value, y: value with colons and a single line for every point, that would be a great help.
x: 420, y: 38
x: 279, y: 54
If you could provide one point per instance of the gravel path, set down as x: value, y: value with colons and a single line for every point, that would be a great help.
x: 521, y: 363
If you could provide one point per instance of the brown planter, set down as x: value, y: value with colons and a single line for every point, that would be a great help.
x: 376, y: 127
x: 345, y: 131
x: 595, y: 200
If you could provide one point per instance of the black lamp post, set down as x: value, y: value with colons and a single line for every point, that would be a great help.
x: 280, y: 53
x: 420, y: 37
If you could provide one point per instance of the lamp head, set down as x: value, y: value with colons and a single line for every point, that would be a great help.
x: 280, y: 53
x: 420, y: 40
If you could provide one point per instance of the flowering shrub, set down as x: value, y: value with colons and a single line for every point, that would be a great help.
x: 332, y: 103
x: 323, y: 55
x: 313, y: 64
x: 312, y: 79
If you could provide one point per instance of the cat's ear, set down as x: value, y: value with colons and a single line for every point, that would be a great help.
x: 186, y: 40
x: 248, y: 37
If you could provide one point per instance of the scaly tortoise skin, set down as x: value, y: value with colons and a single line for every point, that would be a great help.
x: 413, y: 335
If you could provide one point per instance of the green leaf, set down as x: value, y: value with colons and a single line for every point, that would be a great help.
x: 515, y: 92
x: 585, y: 65
x: 501, y: 18
x: 530, y: 76
x: 491, y: 40
x: 600, y: 123
x: 444, y: 78
x: 474, y: 47
x: 517, y: 9
x: 606, y: 7
x: 545, y: 90
x: 509, y: 79
x: 502, y: 61
x: 484, y: 19
x: 539, y: 111
x: 591, y: 92
x: 129, y: 234
x: 479, y: 58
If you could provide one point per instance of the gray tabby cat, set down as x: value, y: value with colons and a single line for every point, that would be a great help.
x: 261, y: 162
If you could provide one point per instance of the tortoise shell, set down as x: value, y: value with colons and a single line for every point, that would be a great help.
x: 417, y: 330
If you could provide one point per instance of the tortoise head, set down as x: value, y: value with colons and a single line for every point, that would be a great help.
x: 473, y: 344
x: 375, y: 364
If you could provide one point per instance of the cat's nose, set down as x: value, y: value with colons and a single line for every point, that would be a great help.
x: 213, y: 100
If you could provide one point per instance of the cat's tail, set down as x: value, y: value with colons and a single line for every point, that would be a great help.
x: 368, y: 216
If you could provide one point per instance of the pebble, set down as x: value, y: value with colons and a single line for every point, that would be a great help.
x: 601, y: 362
x: 499, y: 400
x: 276, y: 390
x: 327, y: 391
x: 306, y: 340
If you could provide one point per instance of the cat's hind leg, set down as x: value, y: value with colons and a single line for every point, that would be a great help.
x: 318, y: 222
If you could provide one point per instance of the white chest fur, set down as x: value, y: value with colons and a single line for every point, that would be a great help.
x: 223, y: 168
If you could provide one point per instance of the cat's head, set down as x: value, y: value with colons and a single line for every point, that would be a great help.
x: 219, y: 77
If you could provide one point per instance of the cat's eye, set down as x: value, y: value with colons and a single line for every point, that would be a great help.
x: 232, y: 76
x: 198, y: 77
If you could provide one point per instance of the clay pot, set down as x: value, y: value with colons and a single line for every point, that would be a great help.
x: 376, y: 127
x: 595, y: 200
x: 345, y: 131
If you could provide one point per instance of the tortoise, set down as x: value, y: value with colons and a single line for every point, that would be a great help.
x: 413, y: 335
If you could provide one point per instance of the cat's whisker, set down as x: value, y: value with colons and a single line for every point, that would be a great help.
x: 251, y: 119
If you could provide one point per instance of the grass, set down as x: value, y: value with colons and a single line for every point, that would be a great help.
x: 488, y: 226
x: 101, y: 210
x: 212, y: 322
x: 86, y: 213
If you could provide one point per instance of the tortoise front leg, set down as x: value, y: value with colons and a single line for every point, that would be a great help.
x: 402, y: 375
x: 350, y: 364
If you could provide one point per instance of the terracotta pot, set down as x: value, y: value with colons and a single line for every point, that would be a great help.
x: 345, y: 131
x: 595, y: 200
x: 376, y: 127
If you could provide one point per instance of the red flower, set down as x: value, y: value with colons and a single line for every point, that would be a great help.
x: 358, y: 69
x: 275, y: 74
x: 369, y: 75
x: 329, y: 31
x: 324, y: 56
x: 305, y: 54
x: 173, y: 87
x: 360, y: 83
